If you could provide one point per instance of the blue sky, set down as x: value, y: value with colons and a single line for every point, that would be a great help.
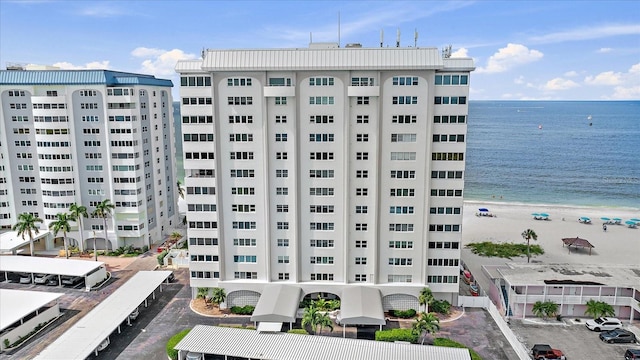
x: 523, y: 50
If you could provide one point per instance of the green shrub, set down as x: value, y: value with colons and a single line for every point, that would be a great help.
x: 392, y: 335
x: 7, y: 342
x: 404, y: 314
x: 298, y: 331
x: 171, y: 352
x: 503, y: 250
x: 452, y: 344
x: 243, y: 310
x: 145, y: 248
x: 440, y: 306
x: 161, y: 257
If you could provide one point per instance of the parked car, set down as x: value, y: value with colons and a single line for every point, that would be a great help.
x: 632, y: 354
x: 42, y: 278
x: 103, y: 345
x: 194, y: 356
x: 25, y: 278
x: 53, y: 281
x: 171, y: 277
x: 71, y: 280
x: 603, y: 324
x: 544, y: 351
x: 134, y: 314
x: 618, y: 336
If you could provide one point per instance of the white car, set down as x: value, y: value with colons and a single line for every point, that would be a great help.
x: 134, y: 314
x: 42, y: 278
x: 194, y: 356
x: 103, y: 345
x: 604, y: 324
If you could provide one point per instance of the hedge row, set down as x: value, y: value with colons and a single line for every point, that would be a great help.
x: 171, y: 352
x: 452, y: 344
x: 403, y: 314
x: 397, y: 335
x: 243, y: 310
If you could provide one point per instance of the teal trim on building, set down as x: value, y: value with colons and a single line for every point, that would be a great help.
x: 78, y: 77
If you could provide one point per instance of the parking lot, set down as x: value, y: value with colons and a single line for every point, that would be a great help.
x: 575, y: 340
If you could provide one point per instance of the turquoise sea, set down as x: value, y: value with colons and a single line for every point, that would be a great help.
x: 554, y: 152
x: 567, y: 161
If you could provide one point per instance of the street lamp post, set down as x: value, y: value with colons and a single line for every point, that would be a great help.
x: 95, y: 252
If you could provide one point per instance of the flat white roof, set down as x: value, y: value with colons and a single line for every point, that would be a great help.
x: 10, y: 240
x: 537, y: 274
x: 284, y: 346
x: 16, y: 304
x: 85, y: 335
x: 35, y: 264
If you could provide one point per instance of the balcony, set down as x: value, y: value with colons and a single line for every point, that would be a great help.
x: 279, y: 91
x: 363, y: 91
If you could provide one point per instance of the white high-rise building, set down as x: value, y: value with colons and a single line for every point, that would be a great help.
x: 325, y: 168
x: 83, y: 136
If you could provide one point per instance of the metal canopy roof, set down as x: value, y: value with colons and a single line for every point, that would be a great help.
x: 78, y: 77
x: 277, y: 303
x: 42, y: 265
x: 16, y: 304
x: 10, y: 240
x: 361, y: 305
x: 85, y: 335
x: 282, y: 346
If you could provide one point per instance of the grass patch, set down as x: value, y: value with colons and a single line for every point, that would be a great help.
x: 452, y: 344
x: 506, y: 250
x: 171, y: 352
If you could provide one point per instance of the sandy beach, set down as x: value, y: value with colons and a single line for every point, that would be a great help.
x: 618, y: 245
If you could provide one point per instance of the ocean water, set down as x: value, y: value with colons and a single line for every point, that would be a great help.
x: 554, y: 152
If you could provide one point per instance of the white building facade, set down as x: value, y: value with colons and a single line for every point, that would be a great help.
x: 81, y: 137
x: 325, y: 167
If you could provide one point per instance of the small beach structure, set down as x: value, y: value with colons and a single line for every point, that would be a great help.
x: 536, y: 216
x: 606, y: 220
x: 630, y: 223
x: 616, y: 221
x: 484, y: 212
x: 544, y: 216
x: 577, y: 242
x: 584, y: 220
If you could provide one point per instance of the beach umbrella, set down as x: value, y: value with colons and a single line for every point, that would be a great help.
x: 616, y: 219
x: 634, y: 219
x: 485, y: 210
x: 535, y: 214
x: 584, y: 218
x: 544, y: 214
x: 631, y: 223
x: 605, y: 219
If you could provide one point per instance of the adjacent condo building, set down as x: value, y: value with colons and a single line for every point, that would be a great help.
x: 325, y: 168
x: 84, y: 136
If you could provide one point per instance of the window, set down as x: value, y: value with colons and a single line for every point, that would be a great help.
x: 321, y: 260
x: 252, y: 275
x: 283, y: 242
x: 321, y: 156
x: 323, y: 209
x: 446, y: 175
x: 321, y: 137
x: 281, y: 100
x: 241, y: 155
x: 282, y: 208
x: 452, y: 80
x: 400, y: 261
x: 321, y: 191
x: 446, y: 192
x: 362, y: 174
x: 242, y: 173
x: 362, y: 156
x: 442, y: 279
x: 281, y: 137
x: 203, y: 224
x: 450, y: 119
x: 448, y: 138
x: 240, y: 100
x: 282, y: 191
x: 321, y: 81
x: 321, y: 100
x: 243, y: 208
x: 444, y: 228
x: 361, y: 261
x: 321, y: 277
x: 445, y: 156
x: 244, y: 225
x: 399, y: 278
x: 203, y: 241
x: 321, y: 173
x: 443, y: 262
x: 281, y: 156
x: 362, y: 100
x: 283, y: 276
x: 279, y: 81
x: 362, y: 137
x: 241, y: 137
x: 233, y: 119
x: 362, y: 119
x: 361, y: 243
x: 401, y: 210
x: 242, y: 191
x: 403, y: 174
x: 403, y: 137
x: 453, y: 100
x: 361, y: 209
x: 362, y: 191
x: 321, y: 119
x: 195, y: 81
x: 362, y: 81
x: 403, y: 119
x: 197, y: 101
x: 401, y: 227
x: 282, y: 173
x: 209, y: 119
x: 361, y: 227
x: 244, y: 258
x: 405, y: 80
x: 403, y: 156
x: 321, y: 243
x: 281, y: 119
x: 244, y: 242
x: 404, y: 100
x: 360, y: 277
x: 320, y: 226
x: 401, y: 244
x: 282, y: 225
x: 239, y: 82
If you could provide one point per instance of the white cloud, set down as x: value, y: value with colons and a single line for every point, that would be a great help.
x: 604, y: 50
x: 559, y: 84
x: 587, y: 33
x: 509, y: 57
x: 608, y: 78
x: 519, y: 80
x: 571, y: 73
x: 460, y: 53
x: 626, y: 93
x: 94, y: 65
x: 103, y: 10
x: 160, y: 62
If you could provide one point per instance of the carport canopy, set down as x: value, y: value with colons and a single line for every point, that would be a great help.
x: 278, y: 303
x: 11, y: 241
x: 79, y: 341
x: 43, y: 265
x: 361, y: 305
x: 16, y: 304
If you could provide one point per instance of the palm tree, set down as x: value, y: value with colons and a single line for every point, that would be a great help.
x: 528, y: 235
x: 218, y: 296
x: 26, y: 225
x: 426, y: 298
x: 310, y: 317
x: 203, y: 293
x: 103, y: 210
x: 61, y: 223
x: 78, y: 212
x: 323, y: 321
x: 426, y: 323
x: 321, y: 304
x: 545, y: 309
x: 180, y: 189
x: 599, y: 309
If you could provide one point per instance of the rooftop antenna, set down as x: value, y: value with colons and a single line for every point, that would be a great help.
x: 202, y: 53
x: 446, y: 52
x: 398, y: 38
x: 310, y: 37
x: 415, y: 38
x: 381, y: 37
x: 338, y: 28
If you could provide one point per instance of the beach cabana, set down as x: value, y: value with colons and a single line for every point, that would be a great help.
x: 577, y: 242
x: 584, y: 220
